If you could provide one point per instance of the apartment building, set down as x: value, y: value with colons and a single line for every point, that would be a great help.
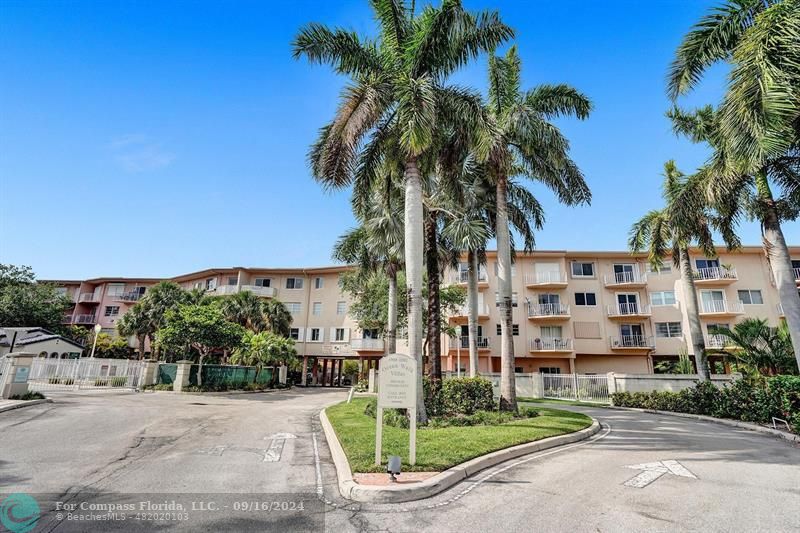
x: 590, y: 312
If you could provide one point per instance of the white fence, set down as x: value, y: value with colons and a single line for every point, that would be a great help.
x: 580, y: 387
x: 86, y: 373
x: 5, y: 363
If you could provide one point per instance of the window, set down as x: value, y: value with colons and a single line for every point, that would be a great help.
x: 316, y: 335
x: 582, y: 270
x: 706, y: 263
x: 370, y: 334
x: 294, y: 307
x: 316, y: 308
x: 112, y: 310
x: 585, y: 298
x: 518, y: 370
x: 550, y: 332
x: 318, y: 282
x: 341, y: 308
x: 514, y: 302
x: 294, y: 283
x: 514, y: 330
x: 665, y: 268
x: 497, y: 266
x: 294, y: 333
x: 751, y: 297
x: 662, y: 298
x: 263, y: 282
x: 549, y: 370
x: 61, y: 291
x: 668, y: 329
x: 339, y: 335
x: 211, y: 284
x: 233, y: 280
x: 115, y: 289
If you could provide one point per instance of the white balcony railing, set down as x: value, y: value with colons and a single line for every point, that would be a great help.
x: 224, y: 290
x: 463, y: 276
x: 535, y: 310
x: 375, y: 345
x: 629, y: 309
x: 85, y: 319
x: 268, y: 292
x: 722, y: 307
x: 462, y: 311
x: 130, y: 296
x: 463, y: 343
x: 796, y: 274
x: 632, y: 341
x: 89, y: 297
x: 625, y: 278
x: 550, y: 345
x: 545, y: 278
x: 717, y: 341
x: 715, y: 273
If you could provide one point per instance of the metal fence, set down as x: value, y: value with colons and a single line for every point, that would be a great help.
x: 87, y: 373
x: 581, y: 387
x: 5, y: 364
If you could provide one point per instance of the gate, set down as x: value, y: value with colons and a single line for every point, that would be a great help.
x: 580, y: 387
x: 87, y: 373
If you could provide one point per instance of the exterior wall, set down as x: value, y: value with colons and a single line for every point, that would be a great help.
x: 661, y: 382
x: 601, y: 364
x: 50, y: 346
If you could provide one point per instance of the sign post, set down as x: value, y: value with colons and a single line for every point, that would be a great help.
x: 397, y: 389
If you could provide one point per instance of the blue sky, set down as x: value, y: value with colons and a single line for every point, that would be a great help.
x: 156, y: 138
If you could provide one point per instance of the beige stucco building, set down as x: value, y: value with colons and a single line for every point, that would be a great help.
x: 590, y: 312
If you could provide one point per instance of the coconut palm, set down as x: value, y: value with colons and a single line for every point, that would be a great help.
x: 397, y: 93
x: 683, y: 221
x: 244, y: 308
x: 277, y: 317
x: 136, y: 322
x: 756, y: 131
x: 524, y: 142
x: 163, y: 297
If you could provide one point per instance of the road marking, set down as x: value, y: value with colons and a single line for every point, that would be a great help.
x: 652, y: 471
x: 283, y: 436
x: 273, y: 453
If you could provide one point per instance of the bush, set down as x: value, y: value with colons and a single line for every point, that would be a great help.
x: 754, y: 399
x: 31, y: 395
x: 466, y: 396
x: 391, y: 417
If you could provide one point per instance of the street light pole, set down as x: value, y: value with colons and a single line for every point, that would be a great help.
x: 97, y: 328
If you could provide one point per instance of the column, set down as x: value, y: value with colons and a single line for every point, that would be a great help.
x: 324, y: 371
x: 15, y: 382
x: 305, y: 371
x: 315, y: 372
x: 339, y: 373
x: 182, y: 375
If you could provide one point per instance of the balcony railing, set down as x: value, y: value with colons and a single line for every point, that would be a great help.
x: 715, y: 274
x: 129, y: 296
x: 463, y: 343
x: 536, y: 310
x: 462, y: 311
x: 627, y: 309
x: 373, y: 345
x: 550, y: 345
x: 85, y: 319
x: 258, y: 290
x: 545, y: 278
x: 463, y: 276
x: 625, y: 278
x: 89, y: 297
x: 632, y: 341
x: 796, y: 274
x: 722, y: 307
x: 66, y: 319
x: 717, y: 341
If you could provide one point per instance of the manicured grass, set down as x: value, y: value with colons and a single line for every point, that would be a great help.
x: 441, y: 448
x: 558, y: 402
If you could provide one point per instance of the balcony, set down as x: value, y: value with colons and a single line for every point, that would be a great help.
x: 462, y: 343
x: 128, y: 297
x: 548, y: 312
x: 85, y: 319
x: 89, y: 298
x: 547, y: 345
x: 462, y: 313
x: 629, y: 310
x: 721, y: 308
x: 66, y: 319
x: 797, y: 275
x: 546, y: 280
x: 367, y: 345
x: 717, y: 341
x: 626, y: 279
x: 462, y: 278
x: 714, y: 276
x: 631, y: 342
x: 266, y: 292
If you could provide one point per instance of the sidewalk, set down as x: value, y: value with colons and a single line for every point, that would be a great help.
x: 7, y: 405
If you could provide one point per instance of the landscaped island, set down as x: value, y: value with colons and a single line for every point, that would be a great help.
x: 439, y: 448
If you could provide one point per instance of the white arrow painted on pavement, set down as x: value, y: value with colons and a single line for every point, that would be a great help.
x: 273, y: 453
x: 653, y: 471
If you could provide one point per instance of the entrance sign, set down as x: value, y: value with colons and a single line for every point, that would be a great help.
x: 21, y: 374
x: 397, y: 389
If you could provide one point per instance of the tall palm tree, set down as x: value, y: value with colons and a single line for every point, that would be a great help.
x: 163, y: 297
x: 756, y: 131
x: 524, y: 142
x: 277, y: 317
x: 398, y: 94
x: 682, y: 222
x: 136, y: 322
x: 246, y: 309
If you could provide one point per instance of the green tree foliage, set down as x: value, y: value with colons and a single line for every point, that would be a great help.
x: 24, y: 302
x: 266, y: 349
x: 108, y: 346
x: 759, y: 349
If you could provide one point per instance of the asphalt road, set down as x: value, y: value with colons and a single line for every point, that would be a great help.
x: 218, y: 451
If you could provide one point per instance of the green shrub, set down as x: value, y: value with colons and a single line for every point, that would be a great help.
x: 391, y: 417
x: 466, y: 396
x: 30, y: 395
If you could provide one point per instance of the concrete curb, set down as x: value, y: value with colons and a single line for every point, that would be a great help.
x: 27, y: 403
x: 199, y: 393
x: 791, y: 437
x: 444, y: 480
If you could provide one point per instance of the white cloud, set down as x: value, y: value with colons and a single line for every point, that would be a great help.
x: 139, y: 153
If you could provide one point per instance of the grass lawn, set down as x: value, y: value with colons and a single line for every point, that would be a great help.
x: 559, y: 402
x: 441, y: 448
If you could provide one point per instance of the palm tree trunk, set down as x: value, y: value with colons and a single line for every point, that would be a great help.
x: 508, y: 393
x: 200, y: 369
x: 693, y: 314
x: 391, y: 327
x: 434, y: 327
x: 414, y: 253
x: 472, y: 310
x: 780, y: 262
x: 141, y: 340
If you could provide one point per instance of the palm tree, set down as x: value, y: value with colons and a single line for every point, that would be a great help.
x: 524, y: 142
x: 398, y: 97
x: 277, y: 317
x: 683, y: 221
x: 246, y: 309
x: 760, y: 348
x: 159, y: 300
x: 756, y: 131
x: 136, y: 322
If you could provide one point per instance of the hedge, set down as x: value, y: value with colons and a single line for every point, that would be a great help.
x: 748, y: 399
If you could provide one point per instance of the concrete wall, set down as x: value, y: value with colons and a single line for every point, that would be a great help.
x: 660, y: 382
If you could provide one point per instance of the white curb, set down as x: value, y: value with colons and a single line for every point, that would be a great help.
x: 24, y: 403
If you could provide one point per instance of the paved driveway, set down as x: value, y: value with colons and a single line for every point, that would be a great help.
x: 160, y: 443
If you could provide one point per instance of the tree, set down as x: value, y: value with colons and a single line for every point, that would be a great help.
x: 371, y: 299
x: 755, y: 133
x: 264, y: 349
x: 162, y: 298
x: 396, y: 101
x: 24, y: 302
x: 277, y: 318
x: 759, y: 348
x: 202, y: 327
x: 136, y: 323
x: 682, y: 222
x: 524, y: 142
x: 108, y: 346
x: 244, y: 308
